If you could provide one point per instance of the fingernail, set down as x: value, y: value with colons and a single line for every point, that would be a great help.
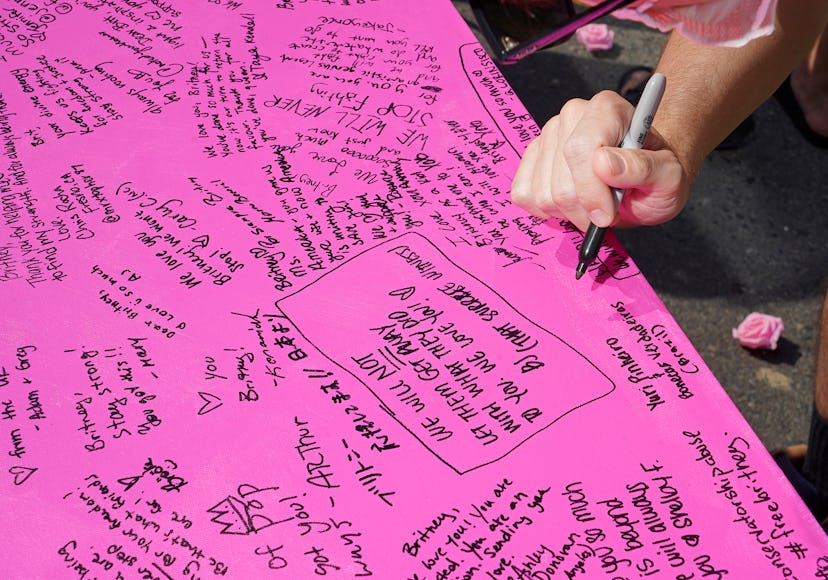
x: 600, y: 218
x: 616, y: 162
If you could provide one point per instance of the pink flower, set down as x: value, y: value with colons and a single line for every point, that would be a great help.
x: 595, y: 37
x: 759, y: 330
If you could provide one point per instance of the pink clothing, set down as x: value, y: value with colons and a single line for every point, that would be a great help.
x: 712, y: 22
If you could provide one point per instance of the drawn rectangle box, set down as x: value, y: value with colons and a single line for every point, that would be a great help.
x: 464, y: 372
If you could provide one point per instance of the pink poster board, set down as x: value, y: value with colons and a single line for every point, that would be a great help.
x: 269, y: 313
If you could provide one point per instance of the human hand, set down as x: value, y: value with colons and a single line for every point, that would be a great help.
x: 568, y: 170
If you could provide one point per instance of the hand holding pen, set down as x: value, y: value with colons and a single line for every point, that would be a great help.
x: 642, y: 119
x: 568, y: 172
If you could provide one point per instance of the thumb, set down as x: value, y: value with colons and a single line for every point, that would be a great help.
x: 641, y: 169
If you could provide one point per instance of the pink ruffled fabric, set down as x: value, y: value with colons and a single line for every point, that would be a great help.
x: 712, y: 22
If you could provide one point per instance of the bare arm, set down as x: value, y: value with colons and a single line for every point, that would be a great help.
x: 712, y: 89
x: 568, y: 170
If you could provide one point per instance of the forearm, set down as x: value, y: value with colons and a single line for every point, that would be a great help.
x: 710, y: 90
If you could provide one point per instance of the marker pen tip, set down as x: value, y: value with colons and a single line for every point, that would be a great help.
x: 580, y: 270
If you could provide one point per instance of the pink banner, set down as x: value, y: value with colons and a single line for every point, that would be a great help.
x: 270, y: 313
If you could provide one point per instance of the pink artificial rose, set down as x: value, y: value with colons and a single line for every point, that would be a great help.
x: 759, y: 330
x: 595, y: 37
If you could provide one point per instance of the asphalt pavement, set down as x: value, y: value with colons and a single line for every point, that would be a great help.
x: 754, y: 236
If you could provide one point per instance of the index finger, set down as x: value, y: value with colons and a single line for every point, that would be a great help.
x: 603, y: 124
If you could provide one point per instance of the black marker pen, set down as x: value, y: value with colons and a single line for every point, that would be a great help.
x: 634, y: 139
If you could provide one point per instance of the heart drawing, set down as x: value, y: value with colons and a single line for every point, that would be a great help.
x: 21, y: 474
